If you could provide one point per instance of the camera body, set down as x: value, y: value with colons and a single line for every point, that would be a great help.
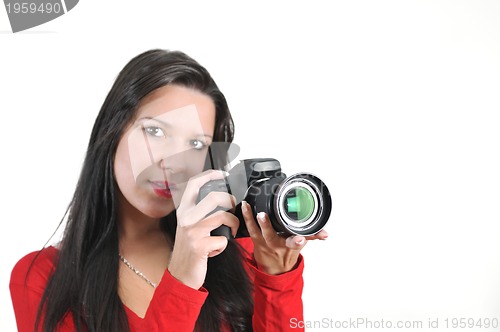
x: 299, y: 204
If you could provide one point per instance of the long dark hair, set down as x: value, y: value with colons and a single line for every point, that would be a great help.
x: 85, y: 281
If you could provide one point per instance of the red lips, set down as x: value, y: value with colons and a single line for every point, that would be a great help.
x: 162, y: 188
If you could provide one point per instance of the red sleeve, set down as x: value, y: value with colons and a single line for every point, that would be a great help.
x: 26, y: 290
x: 277, y: 298
x: 174, y: 307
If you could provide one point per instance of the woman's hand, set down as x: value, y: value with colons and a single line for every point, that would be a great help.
x: 273, y: 253
x: 193, y: 244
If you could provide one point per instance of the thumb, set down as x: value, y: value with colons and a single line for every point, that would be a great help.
x: 296, y: 242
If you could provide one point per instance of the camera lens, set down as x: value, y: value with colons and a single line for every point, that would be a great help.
x: 299, y: 203
x: 302, y: 204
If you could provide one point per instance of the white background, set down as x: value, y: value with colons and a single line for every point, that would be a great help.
x: 394, y: 104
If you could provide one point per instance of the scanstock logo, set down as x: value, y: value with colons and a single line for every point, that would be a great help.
x: 26, y: 14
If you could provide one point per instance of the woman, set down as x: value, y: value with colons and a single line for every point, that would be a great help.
x: 137, y: 254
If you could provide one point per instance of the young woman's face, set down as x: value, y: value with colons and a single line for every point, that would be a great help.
x: 166, y: 144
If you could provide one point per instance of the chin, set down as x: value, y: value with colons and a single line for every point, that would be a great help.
x: 160, y: 212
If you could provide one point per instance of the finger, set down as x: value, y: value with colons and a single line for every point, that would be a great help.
x: 322, y: 235
x: 217, y: 219
x: 220, y: 199
x: 214, y: 200
x: 194, y: 184
x: 214, y: 245
x: 296, y: 242
x: 268, y: 232
x: 252, y: 226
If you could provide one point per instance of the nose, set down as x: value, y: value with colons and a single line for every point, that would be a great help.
x: 175, y: 160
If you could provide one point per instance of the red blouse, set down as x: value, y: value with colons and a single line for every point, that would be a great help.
x: 174, y: 306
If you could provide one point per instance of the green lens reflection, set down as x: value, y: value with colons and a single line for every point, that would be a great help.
x: 300, y: 203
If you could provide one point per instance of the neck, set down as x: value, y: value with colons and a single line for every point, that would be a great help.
x: 139, y: 233
x: 134, y: 224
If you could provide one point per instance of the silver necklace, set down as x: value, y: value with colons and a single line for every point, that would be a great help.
x: 139, y: 273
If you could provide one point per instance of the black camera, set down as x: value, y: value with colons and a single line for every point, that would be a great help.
x: 299, y: 204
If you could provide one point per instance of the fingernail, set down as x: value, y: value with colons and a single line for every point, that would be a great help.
x: 244, y: 206
x: 261, y: 216
x: 300, y: 242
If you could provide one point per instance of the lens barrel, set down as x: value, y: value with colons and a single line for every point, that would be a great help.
x: 299, y: 204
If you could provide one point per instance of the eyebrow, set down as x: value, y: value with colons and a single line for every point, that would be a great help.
x: 168, y: 125
x: 154, y: 119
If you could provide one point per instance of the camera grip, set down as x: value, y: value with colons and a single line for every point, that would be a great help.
x: 216, y: 185
x: 222, y: 230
